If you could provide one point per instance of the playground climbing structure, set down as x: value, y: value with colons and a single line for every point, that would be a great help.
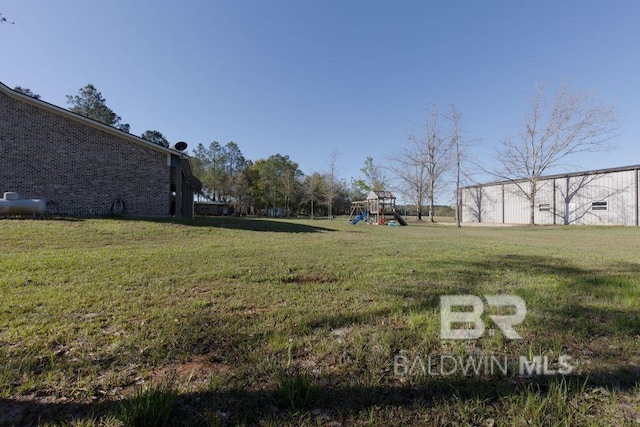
x: 379, y: 208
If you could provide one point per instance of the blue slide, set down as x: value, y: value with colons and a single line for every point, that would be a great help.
x: 359, y: 218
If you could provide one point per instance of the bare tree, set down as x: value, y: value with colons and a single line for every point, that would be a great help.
x: 421, y: 167
x: 331, y: 177
x: 455, y: 117
x: 410, y: 167
x: 568, y: 123
x: 437, y: 155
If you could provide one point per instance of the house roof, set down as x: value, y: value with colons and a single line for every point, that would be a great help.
x: 86, y: 121
x: 375, y: 195
x: 559, y: 175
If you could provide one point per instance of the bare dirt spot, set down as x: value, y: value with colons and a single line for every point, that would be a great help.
x: 309, y: 278
x: 196, y: 371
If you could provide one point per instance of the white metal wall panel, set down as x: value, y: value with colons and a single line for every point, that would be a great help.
x: 615, y: 188
x: 492, y: 205
x: 559, y: 206
x: 544, y: 196
x: 482, y: 204
x: 566, y: 207
x: 470, y: 206
x: 516, y: 205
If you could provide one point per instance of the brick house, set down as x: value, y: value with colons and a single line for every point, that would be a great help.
x: 81, y: 167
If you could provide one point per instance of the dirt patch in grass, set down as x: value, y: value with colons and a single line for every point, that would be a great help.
x: 195, y: 372
x: 301, y: 279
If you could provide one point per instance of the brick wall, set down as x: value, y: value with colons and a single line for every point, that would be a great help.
x: 76, y: 168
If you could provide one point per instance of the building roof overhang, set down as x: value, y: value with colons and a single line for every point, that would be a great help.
x: 557, y: 176
x: 89, y: 122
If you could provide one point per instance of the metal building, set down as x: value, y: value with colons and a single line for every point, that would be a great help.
x: 596, y: 197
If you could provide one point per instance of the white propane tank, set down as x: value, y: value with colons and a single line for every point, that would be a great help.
x: 12, y: 204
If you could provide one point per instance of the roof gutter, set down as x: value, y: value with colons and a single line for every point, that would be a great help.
x: 86, y: 121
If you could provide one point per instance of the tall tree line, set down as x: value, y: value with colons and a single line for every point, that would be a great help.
x: 274, y: 186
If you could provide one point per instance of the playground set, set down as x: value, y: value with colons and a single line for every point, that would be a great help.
x: 379, y: 208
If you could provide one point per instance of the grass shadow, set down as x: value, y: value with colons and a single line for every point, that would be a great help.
x: 235, y: 223
x: 41, y: 218
x: 340, y: 402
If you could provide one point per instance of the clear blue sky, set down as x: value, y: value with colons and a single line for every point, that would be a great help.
x: 307, y: 77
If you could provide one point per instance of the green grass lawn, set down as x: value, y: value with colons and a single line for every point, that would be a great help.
x: 223, y: 321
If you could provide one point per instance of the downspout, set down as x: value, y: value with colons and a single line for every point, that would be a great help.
x: 177, y: 176
x: 636, y: 198
x: 567, y: 215
x: 554, y: 202
x: 503, y: 203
